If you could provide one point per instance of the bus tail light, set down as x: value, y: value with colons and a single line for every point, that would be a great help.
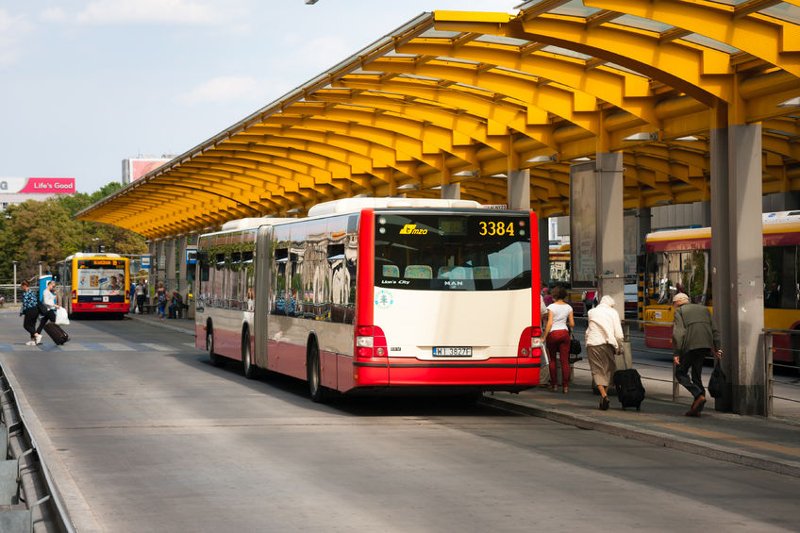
x: 370, y: 342
x: 74, y: 295
x: 530, y: 342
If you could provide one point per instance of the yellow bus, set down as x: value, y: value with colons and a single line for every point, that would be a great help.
x: 95, y: 283
x: 680, y: 261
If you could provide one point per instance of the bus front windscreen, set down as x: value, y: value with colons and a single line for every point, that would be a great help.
x: 104, y: 277
x: 453, y: 252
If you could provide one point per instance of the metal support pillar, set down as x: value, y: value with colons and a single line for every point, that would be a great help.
x: 451, y: 191
x: 609, y: 219
x: 720, y: 246
x: 171, y: 253
x: 645, y: 218
x: 519, y: 189
x: 181, y: 257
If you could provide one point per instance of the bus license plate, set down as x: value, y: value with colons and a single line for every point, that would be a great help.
x: 452, y: 351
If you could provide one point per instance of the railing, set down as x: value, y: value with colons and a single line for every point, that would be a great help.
x: 786, y: 391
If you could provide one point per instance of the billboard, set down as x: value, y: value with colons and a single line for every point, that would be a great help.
x: 583, y: 225
x: 45, y: 186
x: 133, y: 169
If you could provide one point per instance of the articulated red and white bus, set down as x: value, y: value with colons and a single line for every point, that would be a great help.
x: 377, y: 294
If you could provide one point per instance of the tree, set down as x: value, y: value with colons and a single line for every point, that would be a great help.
x: 46, y: 232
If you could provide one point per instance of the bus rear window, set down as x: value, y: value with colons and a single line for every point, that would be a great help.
x: 100, y: 276
x: 462, y: 252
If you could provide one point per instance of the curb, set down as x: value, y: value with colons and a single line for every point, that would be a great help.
x: 722, y: 453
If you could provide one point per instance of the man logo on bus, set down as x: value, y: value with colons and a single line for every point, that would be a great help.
x: 411, y: 229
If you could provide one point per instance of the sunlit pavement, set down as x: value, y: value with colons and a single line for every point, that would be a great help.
x: 771, y: 444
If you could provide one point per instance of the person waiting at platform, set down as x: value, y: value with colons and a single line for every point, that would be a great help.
x: 175, y: 305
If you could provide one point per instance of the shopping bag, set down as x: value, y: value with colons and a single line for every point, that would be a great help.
x: 61, y: 317
x: 716, y: 384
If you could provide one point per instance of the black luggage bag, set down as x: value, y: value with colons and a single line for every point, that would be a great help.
x: 630, y: 390
x: 56, y: 333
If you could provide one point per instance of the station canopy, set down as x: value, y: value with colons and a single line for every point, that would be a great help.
x: 467, y: 97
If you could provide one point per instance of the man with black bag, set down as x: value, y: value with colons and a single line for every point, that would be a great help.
x: 694, y: 337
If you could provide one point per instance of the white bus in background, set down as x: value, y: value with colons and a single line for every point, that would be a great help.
x: 370, y: 295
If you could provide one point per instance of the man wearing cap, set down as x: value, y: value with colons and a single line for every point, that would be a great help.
x: 694, y: 337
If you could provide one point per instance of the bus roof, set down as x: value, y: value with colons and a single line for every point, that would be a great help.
x: 81, y: 255
x: 249, y: 223
x: 352, y: 205
x: 780, y: 221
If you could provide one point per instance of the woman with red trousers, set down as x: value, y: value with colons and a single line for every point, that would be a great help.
x: 556, y: 333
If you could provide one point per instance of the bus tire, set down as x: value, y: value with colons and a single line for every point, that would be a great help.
x: 215, y: 359
x: 316, y: 391
x: 250, y: 370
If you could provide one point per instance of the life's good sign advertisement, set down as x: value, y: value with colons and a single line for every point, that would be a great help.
x: 37, y: 185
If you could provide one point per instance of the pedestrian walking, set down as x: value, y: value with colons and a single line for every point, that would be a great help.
x: 604, y: 339
x: 694, y: 338
x: 560, y: 322
x: 48, y: 312
x: 30, y: 312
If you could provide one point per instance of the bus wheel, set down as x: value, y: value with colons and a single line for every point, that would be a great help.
x: 216, y: 360
x: 247, y: 357
x: 314, y: 370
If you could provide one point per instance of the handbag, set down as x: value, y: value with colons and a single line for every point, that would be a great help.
x: 717, y: 382
x: 61, y: 317
x: 574, y: 349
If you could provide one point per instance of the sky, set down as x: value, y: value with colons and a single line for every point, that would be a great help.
x: 85, y: 84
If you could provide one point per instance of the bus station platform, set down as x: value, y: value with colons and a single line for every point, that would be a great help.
x: 771, y: 444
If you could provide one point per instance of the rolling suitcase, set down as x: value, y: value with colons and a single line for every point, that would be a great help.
x: 56, y: 333
x: 630, y: 390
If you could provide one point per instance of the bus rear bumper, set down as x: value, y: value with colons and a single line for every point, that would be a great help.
x: 493, y: 374
x: 95, y: 308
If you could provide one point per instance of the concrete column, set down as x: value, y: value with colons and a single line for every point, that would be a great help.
x: 171, y: 253
x: 746, y: 259
x: 609, y: 217
x: 181, y: 259
x: 451, y: 191
x: 519, y: 189
x: 153, y: 276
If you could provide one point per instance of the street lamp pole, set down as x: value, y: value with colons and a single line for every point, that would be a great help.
x: 15, y: 281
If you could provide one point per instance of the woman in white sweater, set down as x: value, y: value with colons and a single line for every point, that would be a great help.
x: 604, y: 338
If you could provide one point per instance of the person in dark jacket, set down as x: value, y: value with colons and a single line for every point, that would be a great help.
x: 29, y: 310
x: 694, y: 337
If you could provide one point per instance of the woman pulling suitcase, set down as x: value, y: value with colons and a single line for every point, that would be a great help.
x: 49, y: 305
